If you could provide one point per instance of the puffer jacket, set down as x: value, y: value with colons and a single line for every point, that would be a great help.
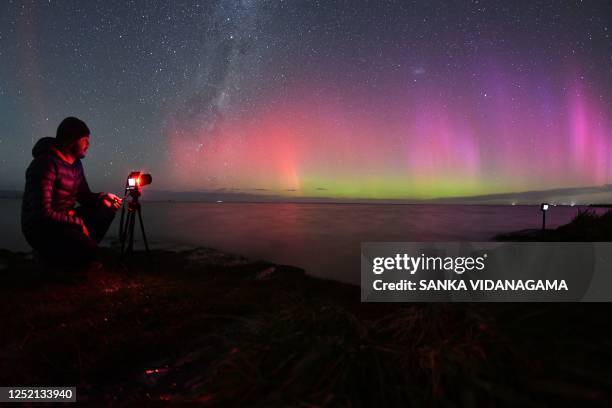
x: 52, y: 188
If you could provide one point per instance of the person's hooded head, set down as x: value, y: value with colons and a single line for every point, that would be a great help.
x: 73, y: 137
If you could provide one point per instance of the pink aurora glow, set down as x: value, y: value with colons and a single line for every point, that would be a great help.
x: 323, y: 141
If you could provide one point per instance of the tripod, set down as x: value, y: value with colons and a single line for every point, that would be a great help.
x: 126, y: 225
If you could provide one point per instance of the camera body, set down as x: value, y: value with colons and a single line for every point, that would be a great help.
x: 137, y: 180
x: 134, y: 183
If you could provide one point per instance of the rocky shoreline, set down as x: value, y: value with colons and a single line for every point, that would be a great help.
x: 202, y: 326
x: 587, y: 226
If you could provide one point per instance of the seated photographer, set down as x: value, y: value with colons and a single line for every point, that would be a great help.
x: 62, y: 234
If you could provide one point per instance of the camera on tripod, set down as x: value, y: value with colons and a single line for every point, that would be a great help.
x: 136, y: 180
x: 133, y: 185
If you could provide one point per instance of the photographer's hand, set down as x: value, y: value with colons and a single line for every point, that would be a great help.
x: 112, y: 201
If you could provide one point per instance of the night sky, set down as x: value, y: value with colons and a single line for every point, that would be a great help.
x: 341, y: 99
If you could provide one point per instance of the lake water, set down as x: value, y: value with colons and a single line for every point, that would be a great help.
x: 324, y: 239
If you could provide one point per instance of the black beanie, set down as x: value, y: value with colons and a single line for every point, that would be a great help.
x: 70, y: 130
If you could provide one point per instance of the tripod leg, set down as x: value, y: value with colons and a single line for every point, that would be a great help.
x: 124, y: 232
x: 144, y: 236
x: 131, y: 233
x: 121, y: 223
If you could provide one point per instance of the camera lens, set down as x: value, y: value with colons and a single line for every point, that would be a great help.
x: 145, y: 179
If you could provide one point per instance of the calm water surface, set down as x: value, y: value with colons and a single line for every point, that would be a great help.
x: 324, y: 239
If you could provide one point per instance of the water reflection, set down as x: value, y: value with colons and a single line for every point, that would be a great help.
x: 324, y: 239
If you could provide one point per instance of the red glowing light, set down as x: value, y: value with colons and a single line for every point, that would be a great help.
x: 155, y: 371
x: 134, y: 181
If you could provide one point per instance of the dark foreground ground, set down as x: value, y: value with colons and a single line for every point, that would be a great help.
x: 203, y: 326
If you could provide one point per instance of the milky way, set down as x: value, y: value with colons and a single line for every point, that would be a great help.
x: 316, y: 99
